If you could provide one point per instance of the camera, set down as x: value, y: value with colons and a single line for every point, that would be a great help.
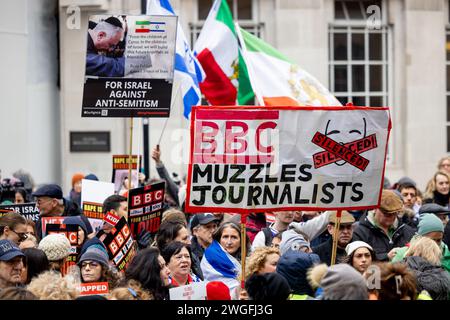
x: 7, y: 189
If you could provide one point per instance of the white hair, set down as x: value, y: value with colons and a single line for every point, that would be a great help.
x: 108, y: 28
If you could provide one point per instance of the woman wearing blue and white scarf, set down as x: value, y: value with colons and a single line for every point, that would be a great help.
x: 222, y: 259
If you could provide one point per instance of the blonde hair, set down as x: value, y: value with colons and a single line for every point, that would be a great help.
x: 441, y: 161
x: 50, y: 285
x: 431, y: 185
x: 256, y: 261
x: 426, y: 248
x: 132, y: 291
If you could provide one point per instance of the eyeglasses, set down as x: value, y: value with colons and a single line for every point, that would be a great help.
x: 40, y: 201
x: 92, y: 264
x: 22, y: 235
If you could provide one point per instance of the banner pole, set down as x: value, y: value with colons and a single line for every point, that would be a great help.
x: 243, y: 248
x: 335, y: 237
x: 130, y: 164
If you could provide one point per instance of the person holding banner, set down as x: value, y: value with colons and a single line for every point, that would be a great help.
x: 178, y: 258
x: 172, y: 187
x: 284, y: 220
x: 149, y: 268
x: 94, y: 266
x: 344, y: 236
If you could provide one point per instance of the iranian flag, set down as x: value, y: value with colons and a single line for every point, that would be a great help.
x: 277, y: 81
x: 217, y: 50
x: 142, y: 26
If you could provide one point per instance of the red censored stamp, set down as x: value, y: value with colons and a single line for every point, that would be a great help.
x: 349, y: 152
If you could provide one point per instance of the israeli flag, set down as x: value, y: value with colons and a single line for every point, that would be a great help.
x: 188, y: 71
x: 219, y: 265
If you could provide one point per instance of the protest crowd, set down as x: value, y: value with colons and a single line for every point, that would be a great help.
x: 143, y: 241
x: 398, y: 251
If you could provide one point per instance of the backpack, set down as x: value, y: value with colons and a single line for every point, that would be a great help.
x: 268, y: 236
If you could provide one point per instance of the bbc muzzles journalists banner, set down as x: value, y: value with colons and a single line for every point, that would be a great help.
x: 129, y: 66
x: 247, y: 159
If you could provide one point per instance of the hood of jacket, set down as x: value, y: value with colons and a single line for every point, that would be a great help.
x: 430, y: 277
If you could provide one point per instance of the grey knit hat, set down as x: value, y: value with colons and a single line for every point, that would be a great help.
x: 95, y: 254
x: 55, y: 246
x: 343, y: 282
x: 291, y: 239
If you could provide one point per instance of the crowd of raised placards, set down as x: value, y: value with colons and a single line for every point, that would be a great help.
x: 395, y: 252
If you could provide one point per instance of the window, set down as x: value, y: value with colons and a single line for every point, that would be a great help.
x: 244, y: 11
x: 358, y: 56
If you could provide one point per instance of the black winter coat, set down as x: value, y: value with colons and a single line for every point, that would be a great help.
x: 324, y: 252
x: 380, y: 242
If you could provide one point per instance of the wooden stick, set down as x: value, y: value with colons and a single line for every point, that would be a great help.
x: 130, y: 157
x: 335, y: 237
x: 243, y: 248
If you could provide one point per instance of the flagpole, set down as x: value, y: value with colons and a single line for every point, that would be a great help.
x: 249, y: 65
x: 139, y: 149
x: 130, y: 162
x: 167, y: 119
x: 335, y: 236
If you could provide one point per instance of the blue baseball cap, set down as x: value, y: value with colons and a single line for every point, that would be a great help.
x: 8, y: 250
x: 49, y: 190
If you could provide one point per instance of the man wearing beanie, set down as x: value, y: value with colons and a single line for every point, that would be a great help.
x: 382, y: 229
x: 430, y: 226
x: 57, y: 248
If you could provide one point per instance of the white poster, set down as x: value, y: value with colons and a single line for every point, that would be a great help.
x: 193, y: 291
x: 286, y: 158
x: 93, y: 193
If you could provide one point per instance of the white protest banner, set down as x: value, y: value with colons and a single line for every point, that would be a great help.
x: 92, y: 196
x: 247, y: 159
x: 93, y: 288
x: 193, y: 291
x: 130, y: 74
